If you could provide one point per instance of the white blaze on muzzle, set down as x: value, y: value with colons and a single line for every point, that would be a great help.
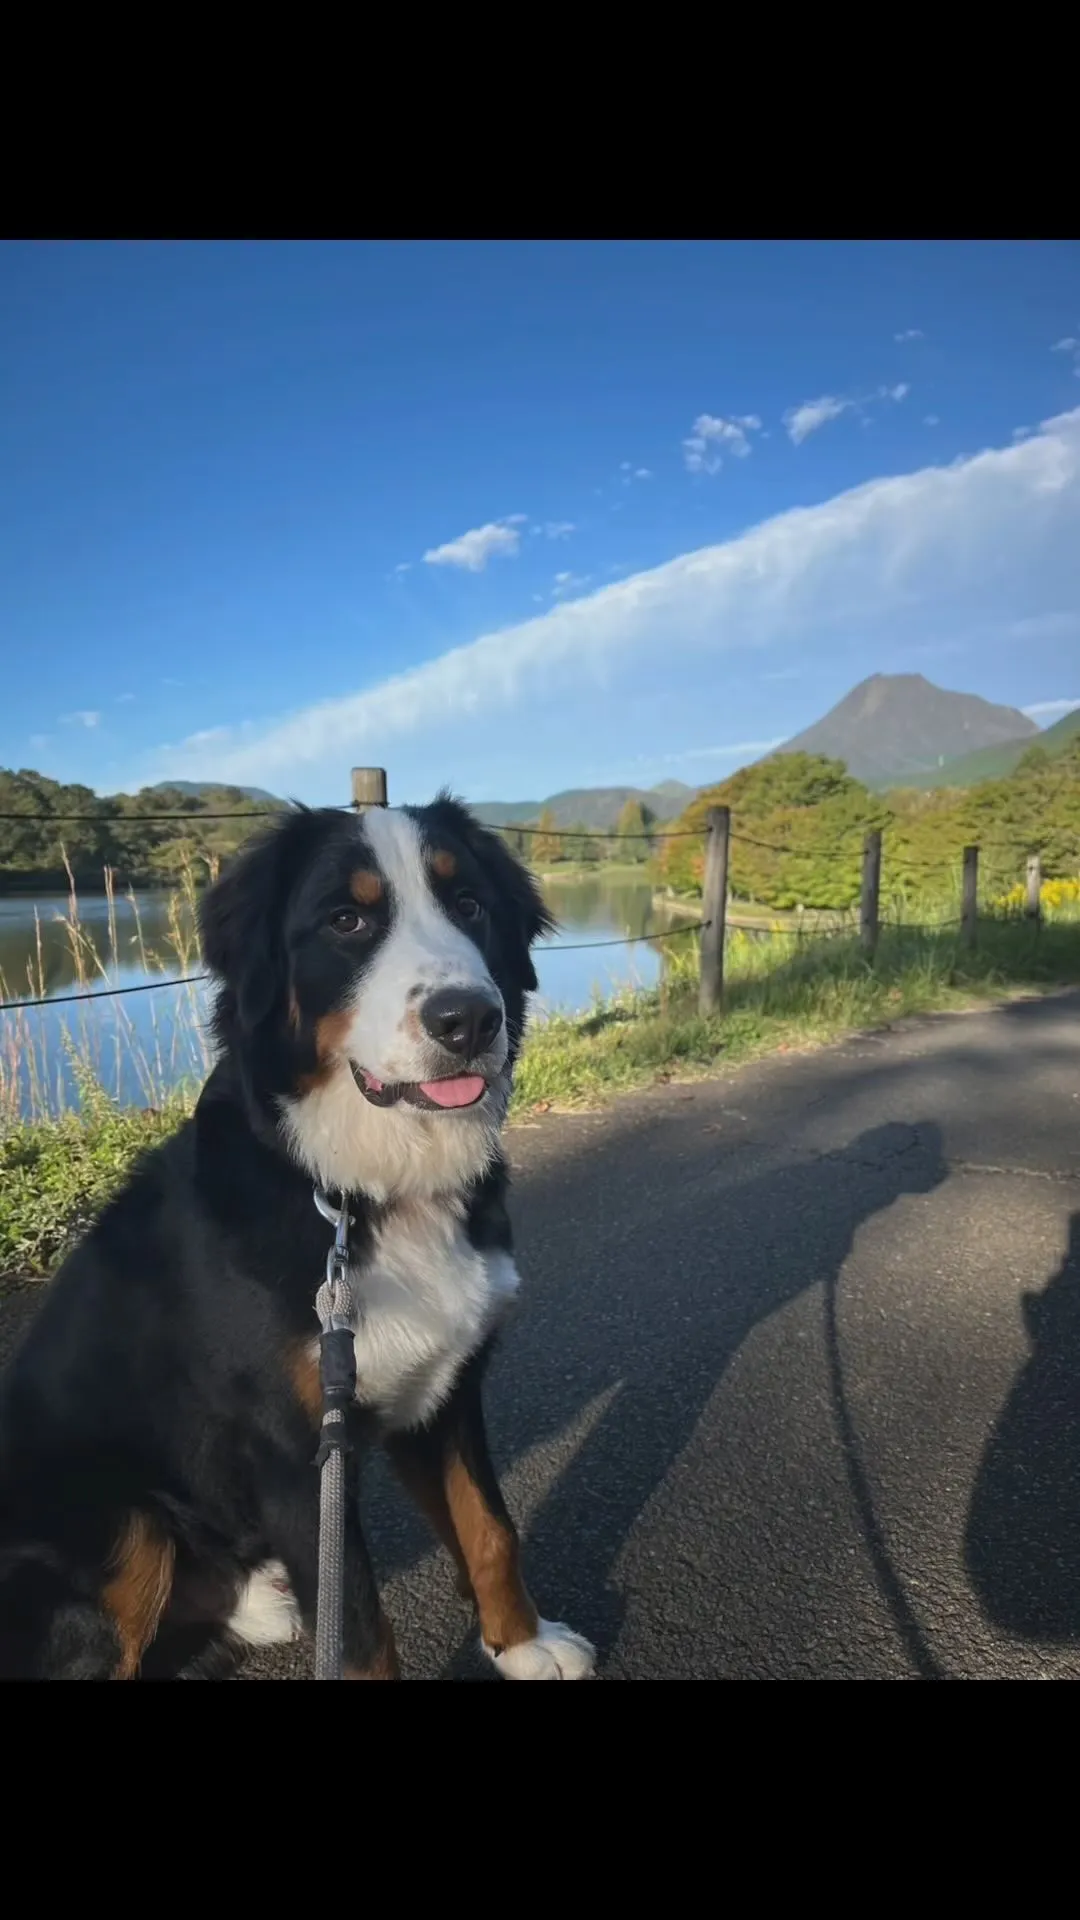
x: 423, y: 953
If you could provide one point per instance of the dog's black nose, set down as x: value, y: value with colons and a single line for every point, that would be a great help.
x: 461, y: 1020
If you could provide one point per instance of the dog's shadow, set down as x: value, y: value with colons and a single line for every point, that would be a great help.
x: 639, y: 1293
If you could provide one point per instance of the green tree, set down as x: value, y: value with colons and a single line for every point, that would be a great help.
x: 547, y: 847
x: 580, y: 845
x: 631, y: 821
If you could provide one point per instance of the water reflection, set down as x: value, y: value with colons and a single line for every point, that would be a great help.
x: 118, y: 943
x: 621, y: 910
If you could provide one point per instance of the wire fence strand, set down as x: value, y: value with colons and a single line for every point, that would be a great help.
x: 592, y: 833
x: 103, y: 993
x: 848, y: 929
x: 191, y: 814
x: 656, y: 832
x: 194, y: 979
x: 626, y: 939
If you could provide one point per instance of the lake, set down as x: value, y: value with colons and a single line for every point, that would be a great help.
x: 145, y: 1042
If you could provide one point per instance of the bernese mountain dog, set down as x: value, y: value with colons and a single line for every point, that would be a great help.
x: 159, y: 1501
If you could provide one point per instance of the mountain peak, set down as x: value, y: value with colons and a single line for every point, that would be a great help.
x: 897, y: 726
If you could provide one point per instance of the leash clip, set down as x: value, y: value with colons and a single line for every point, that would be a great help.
x: 334, y: 1301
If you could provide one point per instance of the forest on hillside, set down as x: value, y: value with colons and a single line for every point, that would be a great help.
x: 116, y: 830
x: 798, y: 822
x: 549, y: 845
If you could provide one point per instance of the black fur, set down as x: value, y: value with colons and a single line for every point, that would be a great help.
x: 157, y: 1380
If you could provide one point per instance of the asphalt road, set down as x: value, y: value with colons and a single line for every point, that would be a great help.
x: 794, y: 1388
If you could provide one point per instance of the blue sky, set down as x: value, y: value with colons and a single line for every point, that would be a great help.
x: 522, y: 516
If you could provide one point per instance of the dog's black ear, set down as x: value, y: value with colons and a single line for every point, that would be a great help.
x: 524, y: 903
x: 241, y: 916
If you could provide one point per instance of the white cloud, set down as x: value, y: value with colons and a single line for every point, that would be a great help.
x: 711, y: 436
x: 474, y: 549
x: 84, y: 718
x: 642, y: 473
x: 953, y: 544
x: 403, y: 566
x: 736, y: 750
x: 123, y: 699
x: 1070, y: 345
x: 569, y: 583
x: 805, y: 420
x: 910, y: 333
x: 559, y: 529
x: 802, y: 421
x: 1022, y: 433
x: 208, y: 736
x: 931, y: 420
x: 1050, y: 709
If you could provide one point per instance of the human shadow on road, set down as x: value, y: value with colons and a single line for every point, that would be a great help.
x: 649, y: 1259
x: 1022, y: 1544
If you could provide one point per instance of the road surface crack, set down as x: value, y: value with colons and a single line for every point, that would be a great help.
x: 1054, y: 1175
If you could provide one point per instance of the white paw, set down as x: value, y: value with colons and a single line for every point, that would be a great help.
x: 266, y: 1613
x: 555, y: 1654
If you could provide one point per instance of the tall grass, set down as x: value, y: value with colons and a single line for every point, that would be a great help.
x: 143, y: 1046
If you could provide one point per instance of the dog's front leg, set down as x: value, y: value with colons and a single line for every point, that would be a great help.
x: 447, y: 1469
x: 291, y: 1516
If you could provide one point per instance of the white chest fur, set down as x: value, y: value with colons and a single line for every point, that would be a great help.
x: 427, y: 1300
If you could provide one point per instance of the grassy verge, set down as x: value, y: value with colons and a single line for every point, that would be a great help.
x: 783, y: 993
x: 56, y: 1174
x: 780, y: 992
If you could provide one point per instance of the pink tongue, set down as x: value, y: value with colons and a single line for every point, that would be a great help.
x: 459, y: 1092
x: 374, y: 1086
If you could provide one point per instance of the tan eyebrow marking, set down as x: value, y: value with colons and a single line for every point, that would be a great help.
x: 444, y: 864
x: 366, y: 888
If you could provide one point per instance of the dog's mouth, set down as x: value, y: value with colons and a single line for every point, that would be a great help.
x: 457, y: 1090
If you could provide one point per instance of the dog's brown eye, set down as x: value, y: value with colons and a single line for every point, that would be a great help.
x: 347, y: 920
x: 469, y: 906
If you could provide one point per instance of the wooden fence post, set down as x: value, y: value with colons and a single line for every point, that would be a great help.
x: 714, y: 908
x: 969, y: 905
x: 871, y: 892
x: 368, y: 787
x: 1033, y: 901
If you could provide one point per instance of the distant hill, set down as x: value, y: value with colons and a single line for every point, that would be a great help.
x: 894, y: 728
x: 199, y: 789
x: 994, y: 763
x: 596, y: 807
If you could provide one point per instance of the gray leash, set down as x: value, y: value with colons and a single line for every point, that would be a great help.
x: 337, y: 1380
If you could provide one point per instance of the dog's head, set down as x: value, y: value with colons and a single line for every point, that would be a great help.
x: 373, y: 976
